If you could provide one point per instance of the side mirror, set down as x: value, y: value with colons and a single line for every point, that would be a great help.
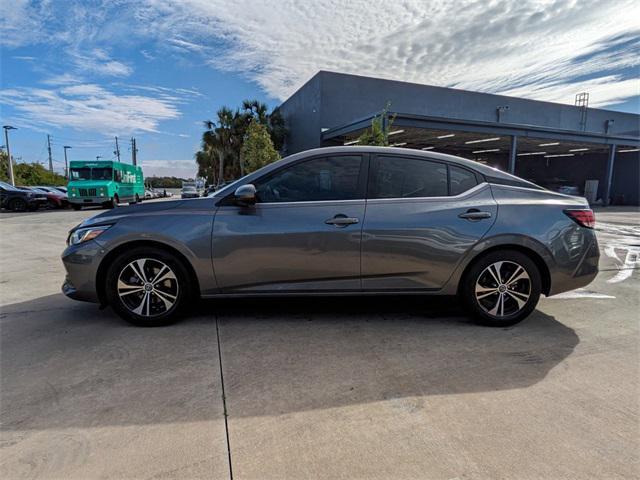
x: 245, y: 195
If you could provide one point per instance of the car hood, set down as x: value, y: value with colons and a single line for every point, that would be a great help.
x: 132, y: 210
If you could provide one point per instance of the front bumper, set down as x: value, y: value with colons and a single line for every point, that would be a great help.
x: 81, y: 263
x: 88, y: 201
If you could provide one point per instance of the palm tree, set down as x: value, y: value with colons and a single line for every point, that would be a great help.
x: 222, y: 139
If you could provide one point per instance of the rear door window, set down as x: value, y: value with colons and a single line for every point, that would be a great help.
x: 401, y: 177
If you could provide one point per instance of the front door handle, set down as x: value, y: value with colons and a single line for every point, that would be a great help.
x: 474, y: 214
x: 341, y: 220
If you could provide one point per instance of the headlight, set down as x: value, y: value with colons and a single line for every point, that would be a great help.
x: 85, y: 234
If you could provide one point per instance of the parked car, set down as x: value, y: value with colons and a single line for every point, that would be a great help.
x: 148, y: 194
x: 435, y: 224
x: 61, y: 189
x: 189, y: 192
x: 52, y: 200
x: 62, y: 196
x: 13, y: 198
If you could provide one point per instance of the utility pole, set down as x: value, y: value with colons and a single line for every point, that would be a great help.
x: 49, y: 148
x: 117, y: 152
x: 66, y: 164
x: 134, y: 152
x: 6, y: 141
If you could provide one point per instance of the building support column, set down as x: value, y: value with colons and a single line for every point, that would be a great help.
x: 513, y: 151
x: 609, y: 175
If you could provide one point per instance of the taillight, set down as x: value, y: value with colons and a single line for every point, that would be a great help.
x: 583, y: 216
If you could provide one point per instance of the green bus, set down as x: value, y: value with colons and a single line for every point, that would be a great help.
x: 104, y: 183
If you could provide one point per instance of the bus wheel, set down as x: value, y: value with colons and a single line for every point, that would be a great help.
x: 76, y: 207
x: 136, y: 200
x: 113, y: 203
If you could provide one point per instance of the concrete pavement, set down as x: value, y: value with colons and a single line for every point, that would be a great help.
x: 322, y: 388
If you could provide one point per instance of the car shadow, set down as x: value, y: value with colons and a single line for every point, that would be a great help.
x: 66, y: 364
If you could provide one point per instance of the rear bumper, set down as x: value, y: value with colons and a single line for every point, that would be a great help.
x: 580, y: 276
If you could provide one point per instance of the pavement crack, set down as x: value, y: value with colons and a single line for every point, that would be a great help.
x: 224, y: 399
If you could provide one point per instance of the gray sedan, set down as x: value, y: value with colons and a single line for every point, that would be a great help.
x: 341, y: 221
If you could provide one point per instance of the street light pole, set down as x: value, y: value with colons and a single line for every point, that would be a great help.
x: 66, y: 164
x: 6, y: 138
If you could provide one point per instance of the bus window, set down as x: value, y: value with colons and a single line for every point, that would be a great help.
x: 80, y: 173
x: 101, y: 174
x: 117, y: 176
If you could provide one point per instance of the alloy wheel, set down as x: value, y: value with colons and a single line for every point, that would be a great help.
x: 148, y: 287
x: 503, y: 289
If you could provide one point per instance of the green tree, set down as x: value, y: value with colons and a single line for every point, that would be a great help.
x: 257, y: 149
x: 36, y: 174
x: 4, y: 166
x: 378, y: 133
x: 219, y: 158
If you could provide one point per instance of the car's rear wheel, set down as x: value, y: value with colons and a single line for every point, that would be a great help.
x: 501, y: 288
x: 147, y: 287
x: 18, y: 205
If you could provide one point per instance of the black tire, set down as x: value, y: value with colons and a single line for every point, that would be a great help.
x: 135, y: 200
x: 155, y: 313
x: 512, y: 305
x: 113, y: 203
x: 18, y: 205
x: 76, y: 207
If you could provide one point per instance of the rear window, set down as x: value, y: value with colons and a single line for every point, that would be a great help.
x: 399, y: 177
x: 461, y: 180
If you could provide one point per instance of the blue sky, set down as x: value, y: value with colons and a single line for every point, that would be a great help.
x: 85, y: 71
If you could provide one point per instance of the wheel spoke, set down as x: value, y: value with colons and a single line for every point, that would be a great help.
x: 138, y: 269
x: 514, y: 274
x: 519, y: 297
x: 155, y: 279
x: 496, y: 274
x: 167, y: 299
x: 499, y: 305
x: 143, y: 308
x: 522, y: 275
x: 480, y: 296
x: 127, y: 286
x: 167, y: 276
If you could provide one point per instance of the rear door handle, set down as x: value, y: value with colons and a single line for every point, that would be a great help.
x: 341, y: 220
x: 474, y: 214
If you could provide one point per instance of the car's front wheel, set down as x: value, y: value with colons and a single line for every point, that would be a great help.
x: 147, y: 287
x: 501, y: 288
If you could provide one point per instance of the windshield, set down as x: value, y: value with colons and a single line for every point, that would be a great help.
x: 80, y: 174
x: 189, y: 189
x: 86, y: 173
x: 101, y: 174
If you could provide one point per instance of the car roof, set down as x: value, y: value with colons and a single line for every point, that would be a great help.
x: 491, y: 174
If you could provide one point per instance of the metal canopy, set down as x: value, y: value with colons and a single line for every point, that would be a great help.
x: 420, y: 132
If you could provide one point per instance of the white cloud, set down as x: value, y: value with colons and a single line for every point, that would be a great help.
x: 98, y: 61
x: 91, y: 107
x: 542, y: 49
